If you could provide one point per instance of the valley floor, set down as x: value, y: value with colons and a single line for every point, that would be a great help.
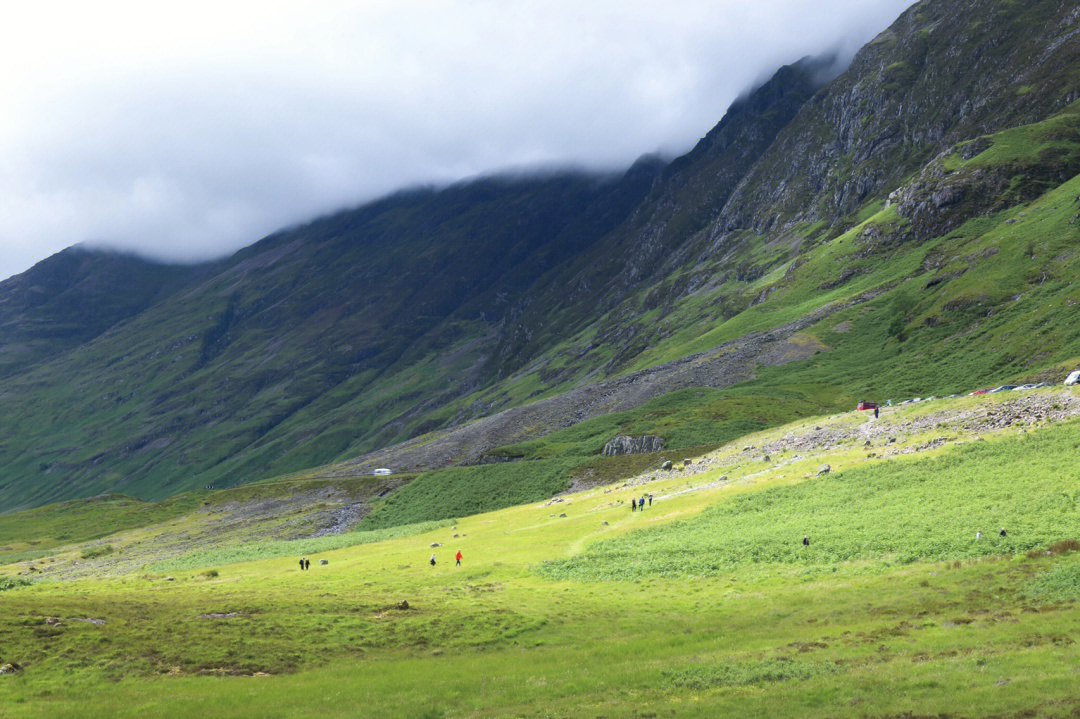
x: 704, y: 604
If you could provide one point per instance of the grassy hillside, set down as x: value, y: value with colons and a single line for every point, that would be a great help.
x: 894, y: 609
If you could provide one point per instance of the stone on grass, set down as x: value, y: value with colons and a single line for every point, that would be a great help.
x: 403, y: 604
x: 667, y: 465
x: 825, y: 469
x: 324, y: 561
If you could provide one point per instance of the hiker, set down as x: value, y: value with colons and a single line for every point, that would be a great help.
x: 301, y: 564
x: 650, y: 500
x: 806, y: 540
x: 307, y: 564
x: 641, y: 502
x: 458, y: 557
x: 633, y: 504
x: 875, y: 412
x: 978, y: 535
x: 433, y: 560
x: 1003, y: 531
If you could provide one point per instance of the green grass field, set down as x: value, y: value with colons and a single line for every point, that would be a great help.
x: 705, y: 604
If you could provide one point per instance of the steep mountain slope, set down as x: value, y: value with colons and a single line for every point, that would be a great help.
x: 74, y: 296
x: 314, y: 313
x: 905, y: 228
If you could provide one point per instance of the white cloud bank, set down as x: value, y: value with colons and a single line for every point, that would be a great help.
x: 184, y: 131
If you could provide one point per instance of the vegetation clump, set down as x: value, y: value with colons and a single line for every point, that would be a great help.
x: 746, y: 673
x: 100, y: 550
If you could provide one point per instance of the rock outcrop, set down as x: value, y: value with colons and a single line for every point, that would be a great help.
x: 622, y: 444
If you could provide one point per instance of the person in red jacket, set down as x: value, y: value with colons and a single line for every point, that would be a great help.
x: 458, y: 558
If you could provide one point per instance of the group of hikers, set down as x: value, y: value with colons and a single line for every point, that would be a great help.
x: 636, y: 504
x: 457, y: 558
x: 305, y: 563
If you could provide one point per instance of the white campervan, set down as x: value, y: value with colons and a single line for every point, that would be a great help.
x: 382, y: 472
x: 1073, y: 378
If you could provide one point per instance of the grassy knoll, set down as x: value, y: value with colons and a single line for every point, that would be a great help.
x: 928, y: 509
x: 960, y: 628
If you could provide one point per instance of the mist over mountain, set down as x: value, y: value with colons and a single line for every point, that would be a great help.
x: 185, y: 136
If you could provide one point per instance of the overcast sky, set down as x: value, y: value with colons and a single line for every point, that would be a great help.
x: 187, y: 130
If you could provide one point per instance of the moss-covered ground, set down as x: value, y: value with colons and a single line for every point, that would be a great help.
x: 709, y: 606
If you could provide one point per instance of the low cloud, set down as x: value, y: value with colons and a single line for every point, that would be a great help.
x: 188, y: 133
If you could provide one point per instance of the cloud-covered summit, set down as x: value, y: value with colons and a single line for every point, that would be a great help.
x: 186, y: 133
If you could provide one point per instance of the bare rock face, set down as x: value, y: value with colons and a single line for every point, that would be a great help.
x: 622, y: 444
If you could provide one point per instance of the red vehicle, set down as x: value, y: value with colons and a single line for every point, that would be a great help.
x: 984, y: 390
x: 867, y: 405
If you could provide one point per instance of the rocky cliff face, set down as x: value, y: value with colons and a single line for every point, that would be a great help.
x: 621, y: 445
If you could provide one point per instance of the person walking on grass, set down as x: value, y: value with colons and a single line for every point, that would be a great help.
x: 458, y: 558
x: 875, y: 412
x: 301, y: 564
x: 432, y: 560
x: 806, y: 540
x: 1003, y: 531
x: 307, y: 564
x: 978, y: 535
x: 650, y: 500
x: 633, y: 504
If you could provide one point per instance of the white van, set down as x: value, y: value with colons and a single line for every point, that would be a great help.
x: 1073, y: 378
x: 382, y: 472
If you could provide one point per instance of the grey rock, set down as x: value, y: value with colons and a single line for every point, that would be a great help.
x: 623, y: 444
x: 324, y: 561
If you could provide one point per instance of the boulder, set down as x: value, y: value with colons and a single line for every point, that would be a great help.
x: 435, y: 544
x: 667, y: 465
x: 687, y: 462
x: 825, y: 469
x: 403, y: 604
x: 563, y: 514
x: 623, y: 444
x: 9, y: 668
x: 324, y: 561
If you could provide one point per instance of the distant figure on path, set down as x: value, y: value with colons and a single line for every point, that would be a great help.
x: 650, y: 500
x: 806, y: 540
x: 641, y: 502
x: 301, y: 564
x: 1003, y: 531
x: 978, y: 535
x: 633, y: 504
x: 875, y: 412
x: 307, y: 564
x: 433, y: 560
x: 458, y: 557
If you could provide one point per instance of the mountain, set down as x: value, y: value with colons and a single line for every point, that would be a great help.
x: 905, y: 227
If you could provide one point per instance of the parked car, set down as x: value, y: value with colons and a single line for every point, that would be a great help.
x: 984, y: 390
x: 866, y: 405
x: 1043, y: 384
x: 1024, y: 386
x: 1073, y: 378
x: 382, y: 472
x: 1003, y: 388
